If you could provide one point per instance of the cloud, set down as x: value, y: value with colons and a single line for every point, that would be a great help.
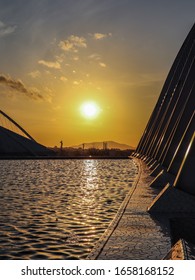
x: 95, y: 56
x: 6, y: 29
x: 73, y: 43
x: 98, y: 58
x: 63, y: 79
x: 60, y: 58
x: 100, y: 36
x: 75, y: 58
x: 78, y: 41
x: 18, y: 85
x: 50, y: 64
x: 35, y: 74
x: 66, y: 45
x: 102, y: 64
x: 76, y: 83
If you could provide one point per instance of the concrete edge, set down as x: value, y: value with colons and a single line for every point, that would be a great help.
x: 189, y: 249
x: 181, y: 250
x: 95, y: 252
x: 172, y: 200
x: 176, y: 252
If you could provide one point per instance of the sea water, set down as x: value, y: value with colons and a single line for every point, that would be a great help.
x: 58, y: 209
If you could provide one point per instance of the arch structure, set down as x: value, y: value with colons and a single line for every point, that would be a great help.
x: 17, y: 125
x: 16, y: 142
x: 167, y: 144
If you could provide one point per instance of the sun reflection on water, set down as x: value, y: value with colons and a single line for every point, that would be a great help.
x: 90, y: 182
x: 59, y: 209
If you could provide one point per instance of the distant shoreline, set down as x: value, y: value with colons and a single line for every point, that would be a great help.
x: 63, y: 157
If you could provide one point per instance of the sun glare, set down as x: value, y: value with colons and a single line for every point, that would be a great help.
x: 90, y: 110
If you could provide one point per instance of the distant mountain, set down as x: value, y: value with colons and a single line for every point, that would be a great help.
x: 110, y: 145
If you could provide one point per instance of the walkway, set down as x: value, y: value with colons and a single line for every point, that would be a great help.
x: 134, y: 233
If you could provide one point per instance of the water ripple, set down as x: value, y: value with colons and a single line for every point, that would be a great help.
x: 55, y: 209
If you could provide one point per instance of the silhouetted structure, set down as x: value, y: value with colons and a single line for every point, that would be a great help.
x: 21, y: 144
x: 167, y: 144
x: 105, y: 146
x: 61, y: 145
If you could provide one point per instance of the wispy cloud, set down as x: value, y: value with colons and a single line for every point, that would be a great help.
x: 63, y: 79
x: 75, y: 58
x: 35, y: 74
x: 6, y: 29
x: 50, y: 64
x: 77, y: 83
x: 100, y: 36
x: 95, y: 56
x: 60, y: 58
x: 19, y: 86
x: 73, y: 43
x: 102, y: 64
x: 98, y: 59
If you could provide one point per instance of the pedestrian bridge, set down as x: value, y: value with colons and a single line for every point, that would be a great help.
x: 16, y: 142
x: 167, y: 144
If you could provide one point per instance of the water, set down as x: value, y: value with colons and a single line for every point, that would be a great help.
x: 58, y: 209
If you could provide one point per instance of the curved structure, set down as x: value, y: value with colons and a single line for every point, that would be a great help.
x: 167, y: 144
x: 16, y: 124
x: 18, y: 144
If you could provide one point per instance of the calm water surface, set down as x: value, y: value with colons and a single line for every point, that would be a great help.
x: 58, y: 209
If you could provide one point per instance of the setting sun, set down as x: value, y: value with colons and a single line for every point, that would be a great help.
x: 90, y: 110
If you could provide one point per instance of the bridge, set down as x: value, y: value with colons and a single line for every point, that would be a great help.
x: 16, y: 142
x: 167, y: 147
x: 167, y: 144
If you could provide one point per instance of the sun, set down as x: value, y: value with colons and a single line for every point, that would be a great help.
x: 90, y: 110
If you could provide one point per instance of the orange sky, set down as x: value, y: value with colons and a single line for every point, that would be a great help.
x: 55, y: 57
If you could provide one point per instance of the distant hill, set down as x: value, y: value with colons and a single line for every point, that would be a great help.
x: 110, y: 145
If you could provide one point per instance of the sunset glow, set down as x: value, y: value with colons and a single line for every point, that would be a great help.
x: 72, y: 70
x: 90, y: 110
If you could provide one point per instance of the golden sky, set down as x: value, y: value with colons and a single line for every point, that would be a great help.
x: 58, y: 55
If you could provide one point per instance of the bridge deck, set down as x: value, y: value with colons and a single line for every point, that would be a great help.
x: 135, y: 234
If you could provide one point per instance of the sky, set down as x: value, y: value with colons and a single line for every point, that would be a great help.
x: 58, y: 57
